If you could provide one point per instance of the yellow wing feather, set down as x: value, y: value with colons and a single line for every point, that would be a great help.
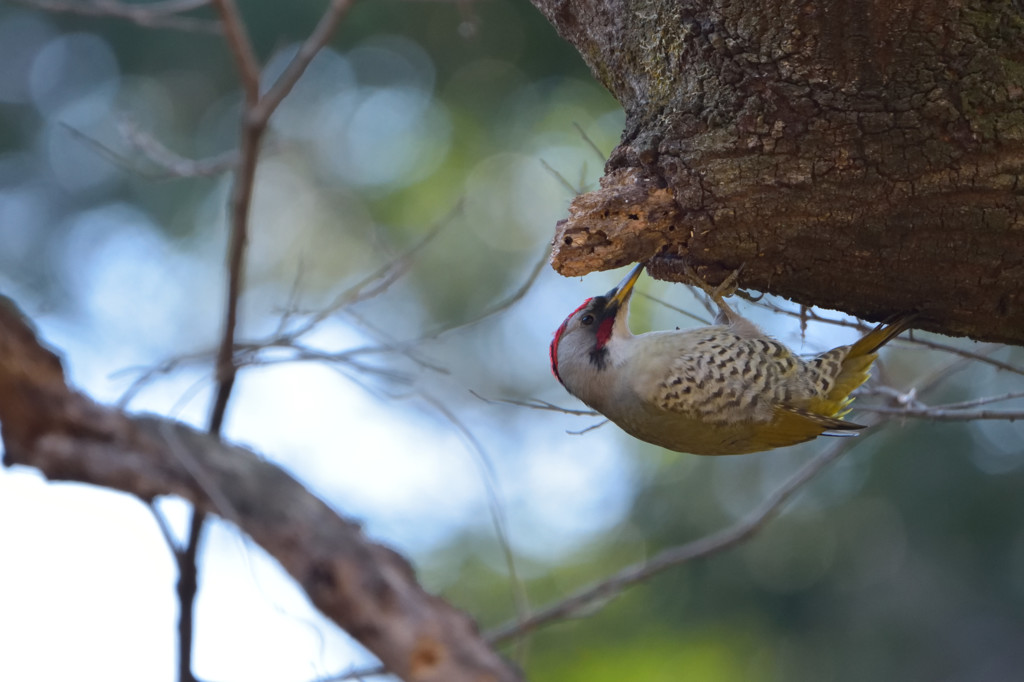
x: 793, y: 425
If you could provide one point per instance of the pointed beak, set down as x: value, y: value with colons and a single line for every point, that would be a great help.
x: 620, y: 294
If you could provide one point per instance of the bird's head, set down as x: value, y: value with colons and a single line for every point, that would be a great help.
x: 582, y: 343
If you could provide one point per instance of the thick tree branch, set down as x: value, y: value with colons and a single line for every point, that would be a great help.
x: 860, y: 155
x: 367, y: 589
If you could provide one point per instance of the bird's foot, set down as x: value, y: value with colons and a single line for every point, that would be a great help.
x: 728, y: 287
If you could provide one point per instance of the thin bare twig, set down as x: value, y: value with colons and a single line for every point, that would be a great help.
x: 373, y: 284
x: 254, y: 122
x: 927, y: 343
x: 164, y: 526
x: 977, y: 402
x: 681, y: 311
x: 165, y: 367
x: 535, y: 404
x: 174, y: 165
x: 246, y: 353
x: 163, y: 14
x: 494, y: 501
x: 941, y: 373
x: 388, y: 344
x: 910, y: 399
x: 561, y: 178
x: 602, y: 156
x: 310, y: 47
x: 590, y: 428
x: 940, y: 415
x: 596, y: 595
x: 977, y: 356
x: 240, y: 47
x: 489, y: 477
x: 171, y: 165
x: 187, y: 558
x: 500, y: 306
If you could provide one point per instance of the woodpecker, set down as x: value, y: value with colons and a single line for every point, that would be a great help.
x: 724, y: 389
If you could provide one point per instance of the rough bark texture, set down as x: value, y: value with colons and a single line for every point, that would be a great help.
x: 367, y: 589
x: 861, y: 155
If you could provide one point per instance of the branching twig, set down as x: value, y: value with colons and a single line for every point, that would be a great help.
x: 237, y: 38
x: 166, y: 367
x: 367, y: 589
x: 288, y: 335
x: 374, y: 284
x: 171, y: 165
x: 174, y: 165
x: 254, y: 122
x: 908, y: 405
x: 313, y: 44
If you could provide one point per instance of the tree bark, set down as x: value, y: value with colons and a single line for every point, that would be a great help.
x: 861, y: 155
x: 367, y: 589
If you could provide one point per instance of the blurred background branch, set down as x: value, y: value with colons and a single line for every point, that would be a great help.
x: 165, y: 14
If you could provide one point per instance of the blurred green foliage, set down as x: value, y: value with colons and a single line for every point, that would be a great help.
x: 903, y: 562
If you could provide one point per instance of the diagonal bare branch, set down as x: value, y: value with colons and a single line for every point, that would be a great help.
x: 535, y: 404
x: 323, y: 32
x: 368, y: 589
x: 594, y: 596
x: 168, y: 164
x: 501, y: 305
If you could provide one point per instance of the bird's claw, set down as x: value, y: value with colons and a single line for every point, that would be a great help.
x: 728, y: 287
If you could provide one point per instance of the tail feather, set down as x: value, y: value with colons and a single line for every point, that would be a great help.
x: 881, y: 335
x: 857, y: 364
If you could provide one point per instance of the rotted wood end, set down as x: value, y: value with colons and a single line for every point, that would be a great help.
x: 628, y: 220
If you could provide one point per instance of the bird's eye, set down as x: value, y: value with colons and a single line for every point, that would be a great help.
x: 587, y: 319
